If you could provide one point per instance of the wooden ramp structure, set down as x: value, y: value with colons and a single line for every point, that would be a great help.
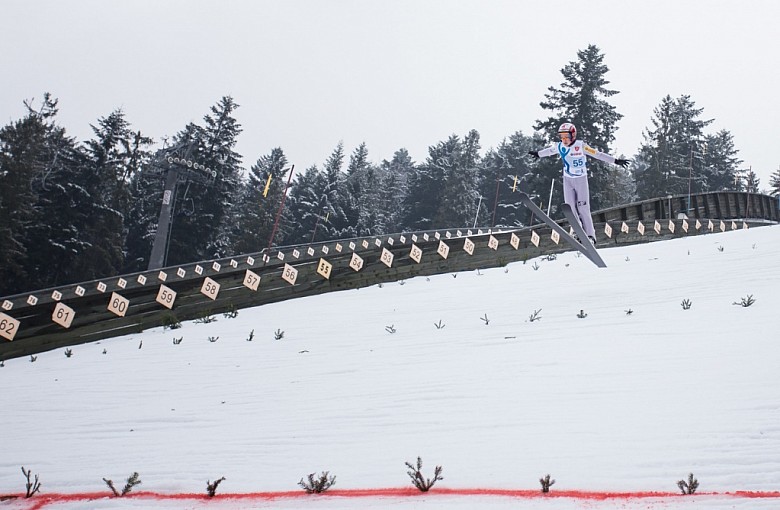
x: 47, y: 319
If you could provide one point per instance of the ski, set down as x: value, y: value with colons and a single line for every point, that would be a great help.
x: 574, y: 221
x: 591, y: 253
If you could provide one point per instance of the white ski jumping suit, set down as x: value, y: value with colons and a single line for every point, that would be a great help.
x: 575, y: 177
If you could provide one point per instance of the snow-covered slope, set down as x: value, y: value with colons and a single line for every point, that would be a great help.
x: 632, y: 397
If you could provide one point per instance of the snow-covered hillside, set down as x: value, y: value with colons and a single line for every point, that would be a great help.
x: 630, y: 397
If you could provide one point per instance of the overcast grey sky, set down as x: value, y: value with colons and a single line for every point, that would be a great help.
x: 391, y: 73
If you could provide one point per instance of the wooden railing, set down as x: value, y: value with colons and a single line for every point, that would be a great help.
x: 47, y: 319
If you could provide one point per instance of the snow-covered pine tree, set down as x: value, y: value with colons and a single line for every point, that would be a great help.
x: 361, y: 190
x: 255, y: 214
x: 582, y: 100
x: 22, y: 145
x: 54, y: 237
x: 308, y: 207
x: 774, y: 183
x: 444, y: 190
x: 424, y: 187
x: 393, y: 189
x: 424, y: 206
x: 671, y: 152
x: 751, y: 181
x: 500, y: 168
x: 204, y: 210
x: 221, y: 132
x: 353, y: 186
x: 460, y: 188
x: 334, y: 196
x: 114, y: 155
x: 719, y: 164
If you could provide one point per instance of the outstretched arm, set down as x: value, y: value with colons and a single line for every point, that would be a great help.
x: 603, y: 156
x: 543, y: 153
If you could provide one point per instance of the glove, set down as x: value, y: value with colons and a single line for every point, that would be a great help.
x: 622, y: 162
x: 534, y: 154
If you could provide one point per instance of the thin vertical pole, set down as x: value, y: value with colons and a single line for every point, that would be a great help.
x: 314, y: 233
x: 747, y: 209
x: 495, y: 205
x: 281, y: 206
x: 317, y: 224
x: 549, y: 202
x: 690, y: 177
x: 160, y: 246
x: 477, y: 216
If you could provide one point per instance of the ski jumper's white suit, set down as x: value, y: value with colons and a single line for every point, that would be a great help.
x: 575, y: 177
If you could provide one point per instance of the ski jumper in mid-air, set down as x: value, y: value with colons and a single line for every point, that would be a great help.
x: 573, y: 154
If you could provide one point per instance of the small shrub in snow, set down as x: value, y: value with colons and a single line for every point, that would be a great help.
x: 207, y: 318
x: 31, y: 486
x: 535, y: 316
x: 546, y: 483
x: 211, y: 487
x: 231, y: 313
x: 170, y: 321
x: 582, y: 314
x: 690, y: 486
x: 536, y: 266
x: 132, y: 481
x: 278, y: 334
x: 33, y: 358
x: 418, y: 480
x: 251, y: 336
x: 314, y: 485
x: 439, y: 325
x: 485, y: 319
x: 686, y: 304
x: 390, y: 329
x: 177, y: 341
x: 746, y: 301
x: 68, y: 353
x: 213, y: 339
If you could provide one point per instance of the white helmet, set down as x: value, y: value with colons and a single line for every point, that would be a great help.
x: 568, y: 127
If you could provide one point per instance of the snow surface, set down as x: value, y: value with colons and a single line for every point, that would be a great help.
x: 612, y: 402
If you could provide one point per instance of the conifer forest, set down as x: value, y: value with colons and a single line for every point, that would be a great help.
x: 76, y: 210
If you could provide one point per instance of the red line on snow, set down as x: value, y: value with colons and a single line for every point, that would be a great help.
x: 759, y: 494
x: 41, y: 501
